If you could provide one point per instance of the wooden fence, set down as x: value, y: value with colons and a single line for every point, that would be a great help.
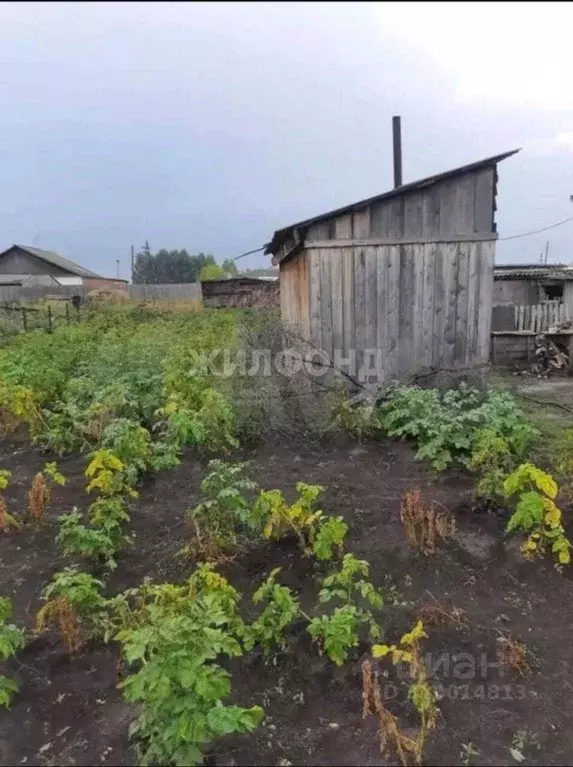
x: 539, y: 318
x: 14, y: 319
x: 186, y: 291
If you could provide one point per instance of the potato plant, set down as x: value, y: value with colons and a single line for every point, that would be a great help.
x: 282, y: 607
x: 75, y: 605
x: 537, y: 514
x: 446, y: 426
x: 225, y: 510
x: 11, y: 640
x: 173, y: 641
x: 355, y: 598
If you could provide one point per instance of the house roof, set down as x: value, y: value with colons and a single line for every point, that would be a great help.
x: 559, y: 272
x: 55, y: 260
x: 281, y: 234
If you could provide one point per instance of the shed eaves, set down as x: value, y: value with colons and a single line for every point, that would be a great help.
x: 281, y: 234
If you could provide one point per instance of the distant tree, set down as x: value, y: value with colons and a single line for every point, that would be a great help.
x: 230, y: 267
x: 167, y: 266
x: 270, y: 272
x: 212, y: 272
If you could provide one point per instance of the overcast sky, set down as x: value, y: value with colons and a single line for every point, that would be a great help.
x: 208, y: 126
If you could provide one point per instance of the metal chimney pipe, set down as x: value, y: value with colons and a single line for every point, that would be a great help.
x: 397, y: 144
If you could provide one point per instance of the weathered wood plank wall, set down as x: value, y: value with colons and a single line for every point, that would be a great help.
x: 461, y: 207
x: 415, y: 306
x: 404, y: 283
x: 294, y: 294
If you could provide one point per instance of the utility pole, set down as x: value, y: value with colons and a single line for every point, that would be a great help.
x: 546, y: 251
x: 132, y: 263
x: 117, y: 267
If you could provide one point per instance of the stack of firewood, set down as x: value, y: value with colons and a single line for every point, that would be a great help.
x: 549, y: 357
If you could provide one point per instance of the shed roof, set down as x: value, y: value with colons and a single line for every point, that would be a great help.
x: 281, y: 234
x: 560, y: 272
x: 55, y: 260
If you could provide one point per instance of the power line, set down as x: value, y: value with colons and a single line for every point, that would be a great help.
x: 511, y: 237
x: 249, y: 252
x: 537, y: 231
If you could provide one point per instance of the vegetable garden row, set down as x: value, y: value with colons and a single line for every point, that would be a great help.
x: 121, y: 389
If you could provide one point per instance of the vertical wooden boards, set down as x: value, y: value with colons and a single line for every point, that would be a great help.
x: 472, y: 304
x: 461, y: 329
x: 382, y: 325
x: 422, y: 305
x: 335, y: 257
x: 568, y: 299
x: 426, y: 359
x: 315, y: 298
x: 483, y: 201
x: 396, y: 218
x: 370, y: 308
x: 440, y: 303
x: 387, y: 219
x: 318, y: 231
x: 360, y: 304
x: 379, y: 219
x: 486, y: 253
x: 450, y: 287
x: 457, y: 199
x: 361, y: 224
x: 416, y: 253
x: 303, y: 265
x: 326, y: 301
x: 406, y: 295
x: 413, y: 215
x: 349, y: 327
x: 431, y: 211
x: 392, y: 311
x: 343, y: 227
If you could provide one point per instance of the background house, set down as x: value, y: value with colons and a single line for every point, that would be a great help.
x: 28, y: 273
x: 408, y: 273
x: 532, y: 284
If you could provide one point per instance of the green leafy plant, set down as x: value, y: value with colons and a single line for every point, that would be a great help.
x: 338, y: 631
x: 536, y: 513
x: 131, y: 444
x: 358, y: 421
x: 174, y: 647
x: 204, y: 418
x: 281, y: 519
x: 7, y: 521
x: 224, y: 510
x: 103, y: 538
x: 281, y: 609
x: 563, y: 461
x: 329, y: 538
x: 445, y: 425
x: 74, y: 603
x: 106, y: 474
x: 11, y: 640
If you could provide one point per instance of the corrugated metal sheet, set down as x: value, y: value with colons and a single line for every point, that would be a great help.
x: 534, y: 272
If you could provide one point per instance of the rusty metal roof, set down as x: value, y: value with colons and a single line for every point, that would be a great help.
x: 281, y: 234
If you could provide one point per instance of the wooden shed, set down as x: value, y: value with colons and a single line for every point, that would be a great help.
x: 400, y: 282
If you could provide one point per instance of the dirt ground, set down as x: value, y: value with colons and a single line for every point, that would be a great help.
x: 69, y: 712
